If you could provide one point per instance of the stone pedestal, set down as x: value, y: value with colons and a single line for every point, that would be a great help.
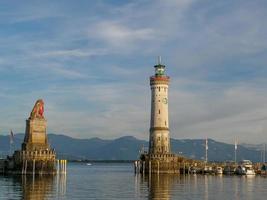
x: 36, y: 156
x: 35, y: 135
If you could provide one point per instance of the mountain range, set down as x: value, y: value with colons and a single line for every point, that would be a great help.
x: 128, y: 148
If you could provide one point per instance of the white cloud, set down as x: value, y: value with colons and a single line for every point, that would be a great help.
x: 117, y: 35
x: 74, y: 53
x: 68, y: 73
x: 108, y: 110
x: 222, y: 114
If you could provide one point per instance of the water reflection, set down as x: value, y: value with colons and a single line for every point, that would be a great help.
x: 159, y: 186
x: 61, y: 184
x: 105, y: 181
x: 195, y: 186
x: 39, y: 187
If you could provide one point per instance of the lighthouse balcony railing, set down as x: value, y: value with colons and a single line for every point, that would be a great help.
x: 168, y: 155
x: 159, y: 77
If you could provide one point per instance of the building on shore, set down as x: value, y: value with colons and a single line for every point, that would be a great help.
x: 35, y: 156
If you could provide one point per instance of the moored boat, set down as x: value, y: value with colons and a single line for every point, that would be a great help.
x: 208, y: 170
x: 229, y: 168
x: 264, y: 169
x: 245, y: 168
x: 192, y: 170
x: 218, y: 170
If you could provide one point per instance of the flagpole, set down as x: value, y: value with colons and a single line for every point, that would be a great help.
x: 235, y: 149
x: 206, y: 147
x: 264, y: 151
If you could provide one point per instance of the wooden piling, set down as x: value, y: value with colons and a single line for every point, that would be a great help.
x: 149, y: 167
x: 143, y: 167
x: 33, y: 167
x: 26, y: 162
x: 158, y: 167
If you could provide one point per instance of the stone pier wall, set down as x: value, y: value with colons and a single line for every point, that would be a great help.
x: 160, y: 163
x: 37, y: 162
x: 166, y: 163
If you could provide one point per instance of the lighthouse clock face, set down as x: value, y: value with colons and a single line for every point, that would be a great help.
x: 165, y: 100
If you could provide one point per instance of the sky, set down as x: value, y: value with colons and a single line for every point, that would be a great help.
x: 90, y: 62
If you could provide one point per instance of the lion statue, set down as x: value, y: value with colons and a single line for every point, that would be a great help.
x: 38, y: 109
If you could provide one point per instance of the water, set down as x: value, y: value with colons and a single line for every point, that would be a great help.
x: 117, y: 181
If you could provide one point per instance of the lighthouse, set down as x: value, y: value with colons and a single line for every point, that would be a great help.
x: 159, y: 140
x: 159, y: 158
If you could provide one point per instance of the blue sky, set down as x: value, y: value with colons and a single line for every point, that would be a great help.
x: 90, y: 61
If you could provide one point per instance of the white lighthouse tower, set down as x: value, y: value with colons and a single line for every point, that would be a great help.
x: 159, y: 141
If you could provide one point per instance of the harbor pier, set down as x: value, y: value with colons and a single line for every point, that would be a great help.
x: 36, y: 156
x: 167, y: 164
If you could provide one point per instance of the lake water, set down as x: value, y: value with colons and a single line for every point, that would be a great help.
x: 117, y: 181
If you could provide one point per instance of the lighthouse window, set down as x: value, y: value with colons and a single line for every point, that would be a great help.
x: 165, y: 123
x: 159, y: 89
x: 159, y: 111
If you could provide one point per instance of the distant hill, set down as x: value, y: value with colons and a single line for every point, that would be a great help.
x: 217, y: 151
x: 127, y: 148
x: 124, y: 148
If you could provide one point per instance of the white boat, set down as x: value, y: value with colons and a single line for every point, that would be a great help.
x: 218, y: 170
x: 208, y: 170
x: 192, y: 170
x: 250, y: 172
x: 89, y: 164
x: 245, y: 168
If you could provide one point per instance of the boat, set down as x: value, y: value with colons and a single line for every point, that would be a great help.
x: 192, y: 170
x: 218, y: 170
x: 229, y: 168
x: 263, y: 169
x: 245, y: 168
x: 88, y: 164
x: 208, y: 170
